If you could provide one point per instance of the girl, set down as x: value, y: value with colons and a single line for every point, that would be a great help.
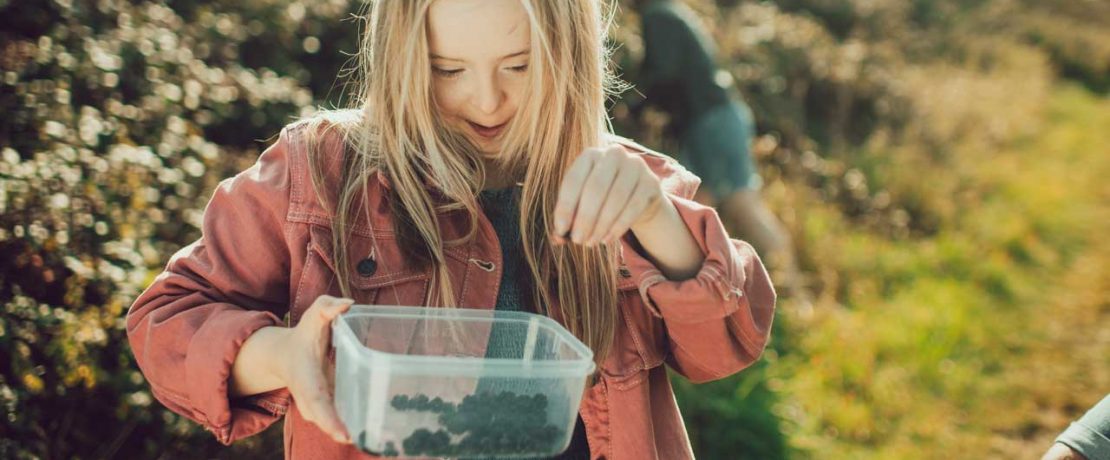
x: 476, y: 170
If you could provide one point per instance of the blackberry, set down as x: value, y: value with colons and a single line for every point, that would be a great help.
x: 389, y: 451
x: 502, y: 423
x: 400, y: 402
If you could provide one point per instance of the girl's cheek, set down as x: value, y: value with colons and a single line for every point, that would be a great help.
x: 447, y: 102
x: 440, y: 93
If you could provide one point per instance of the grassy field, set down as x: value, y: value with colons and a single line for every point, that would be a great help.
x: 984, y: 337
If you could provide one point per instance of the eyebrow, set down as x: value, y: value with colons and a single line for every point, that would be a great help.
x: 507, y: 56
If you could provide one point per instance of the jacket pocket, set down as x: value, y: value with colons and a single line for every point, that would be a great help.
x: 376, y: 272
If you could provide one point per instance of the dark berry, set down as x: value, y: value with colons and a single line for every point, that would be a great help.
x: 400, y: 402
x: 391, y: 450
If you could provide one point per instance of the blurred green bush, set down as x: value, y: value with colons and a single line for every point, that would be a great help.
x: 121, y: 116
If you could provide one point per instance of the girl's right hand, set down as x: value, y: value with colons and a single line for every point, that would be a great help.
x: 307, y: 370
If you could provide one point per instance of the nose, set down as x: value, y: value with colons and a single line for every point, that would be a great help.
x: 488, y: 95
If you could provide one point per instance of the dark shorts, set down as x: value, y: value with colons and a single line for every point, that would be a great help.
x: 717, y: 148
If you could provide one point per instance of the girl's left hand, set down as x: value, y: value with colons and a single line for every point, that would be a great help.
x: 605, y: 193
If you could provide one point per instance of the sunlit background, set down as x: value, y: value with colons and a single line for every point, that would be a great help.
x: 940, y: 164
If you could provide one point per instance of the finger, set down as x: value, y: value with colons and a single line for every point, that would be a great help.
x: 322, y: 300
x: 619, y: 195
x: 323, y: 334
x: 592, y: 196
x: 314, y: 327
x: 336, y: 307
x: 329, y: 374
x: 570, y: 189
x: 327, y: 418
x: 326, y: 308
x: 318, y: 405
x: 637, y: 204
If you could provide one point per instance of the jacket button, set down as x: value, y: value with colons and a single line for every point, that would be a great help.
x: 367, y: 267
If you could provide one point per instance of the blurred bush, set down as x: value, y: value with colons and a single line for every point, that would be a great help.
x: 876, y: 120
x: 121, y: 116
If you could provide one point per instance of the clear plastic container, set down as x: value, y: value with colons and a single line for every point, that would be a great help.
x: 457, y: 382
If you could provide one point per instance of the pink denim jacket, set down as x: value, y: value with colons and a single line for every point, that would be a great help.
x: 266, y: 253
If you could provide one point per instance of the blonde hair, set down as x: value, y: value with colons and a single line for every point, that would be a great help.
x: 396, y: 131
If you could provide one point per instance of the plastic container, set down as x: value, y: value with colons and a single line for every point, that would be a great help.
x: 457, y: 382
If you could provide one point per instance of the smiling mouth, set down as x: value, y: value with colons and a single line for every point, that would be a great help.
x: 487, y: 132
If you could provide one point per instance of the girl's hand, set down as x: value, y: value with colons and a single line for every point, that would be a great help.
x: 308, y: 372
x: 1062, y: 452
x: 604, y: 194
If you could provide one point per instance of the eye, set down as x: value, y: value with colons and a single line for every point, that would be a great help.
x: 447, y: 73
x: 519, y: 68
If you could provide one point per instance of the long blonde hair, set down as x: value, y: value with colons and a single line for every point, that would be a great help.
x: 396, y: 131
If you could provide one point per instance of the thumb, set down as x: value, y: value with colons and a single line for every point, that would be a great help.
x: 335, y: 308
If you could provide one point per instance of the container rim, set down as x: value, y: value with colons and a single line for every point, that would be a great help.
x: 341, y: 330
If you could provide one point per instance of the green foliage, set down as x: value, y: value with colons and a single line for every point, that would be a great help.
x: 734, y: 417
x: 120, y: 117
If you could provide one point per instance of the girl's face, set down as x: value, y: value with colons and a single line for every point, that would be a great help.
x: 479, y: 54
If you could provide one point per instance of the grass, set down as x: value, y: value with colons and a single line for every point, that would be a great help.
x: 983, y: 338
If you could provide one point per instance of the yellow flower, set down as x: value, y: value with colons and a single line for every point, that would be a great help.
x: 33, y: 383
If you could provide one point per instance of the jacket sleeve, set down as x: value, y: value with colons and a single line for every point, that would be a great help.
x: 719, y: 321
x: 187, y: 327
x: 1090, y: 435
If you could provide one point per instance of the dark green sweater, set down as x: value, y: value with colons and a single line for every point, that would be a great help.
x: 502, y: 207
